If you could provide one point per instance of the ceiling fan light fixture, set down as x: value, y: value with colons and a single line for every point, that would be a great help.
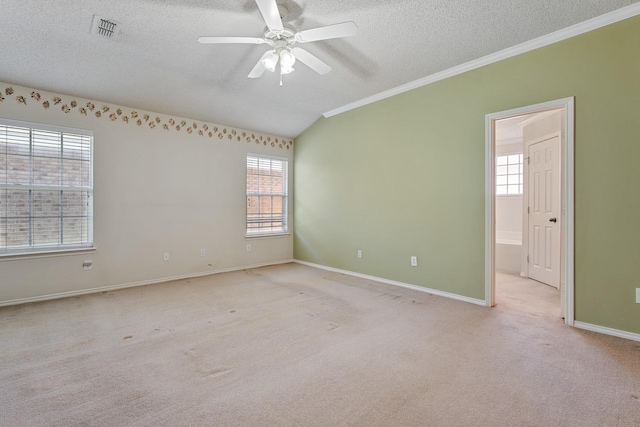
x: 287, y: 59
x: 285, y: 70
x: 270, y: 61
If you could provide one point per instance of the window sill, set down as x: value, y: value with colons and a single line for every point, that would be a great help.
x: 48, y: 253
x: 266, y: 235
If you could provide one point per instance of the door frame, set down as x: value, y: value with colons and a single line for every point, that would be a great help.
x: 567, y: 200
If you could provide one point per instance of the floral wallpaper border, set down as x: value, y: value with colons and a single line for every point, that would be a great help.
x: 106, y: 111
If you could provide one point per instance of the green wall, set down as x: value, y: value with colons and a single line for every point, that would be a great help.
x: 405, y: 176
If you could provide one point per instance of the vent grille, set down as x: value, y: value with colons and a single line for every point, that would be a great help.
x: 105, y: 27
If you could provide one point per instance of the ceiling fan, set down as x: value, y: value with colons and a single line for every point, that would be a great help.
x: 282, y: 38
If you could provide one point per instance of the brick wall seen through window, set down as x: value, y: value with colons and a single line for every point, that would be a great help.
x: 267, y: 190
x: 46, y: 187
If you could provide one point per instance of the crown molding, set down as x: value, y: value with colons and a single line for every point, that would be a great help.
x: 551, y: 38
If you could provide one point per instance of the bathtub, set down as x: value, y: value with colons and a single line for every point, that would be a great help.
x: 509, y: 252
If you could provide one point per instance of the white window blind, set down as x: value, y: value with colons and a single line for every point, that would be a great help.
x: 267, y: 186
x: 509, y: 174
x: 46, y: 187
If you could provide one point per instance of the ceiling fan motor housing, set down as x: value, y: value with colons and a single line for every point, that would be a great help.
x: 288, y: 34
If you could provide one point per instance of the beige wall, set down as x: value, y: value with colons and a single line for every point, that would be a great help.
x: 155, y: 191
x: 544, y: 126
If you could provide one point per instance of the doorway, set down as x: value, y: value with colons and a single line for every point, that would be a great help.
x: 529, y: 197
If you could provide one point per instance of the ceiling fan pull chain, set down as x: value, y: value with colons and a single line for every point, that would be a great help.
x: 280, y: 75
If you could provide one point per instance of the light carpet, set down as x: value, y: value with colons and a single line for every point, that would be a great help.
x: 291, y: 345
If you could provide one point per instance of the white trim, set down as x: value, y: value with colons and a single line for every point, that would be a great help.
x: 266, y: 235
x: 568, y: 217
x: 44, y: 126
x: 395, y: 283
x: 500, y: 196
x: 607, y: 331
x: 46, y: 253
x: 489, y: 213
x: 556, y: 36
x: 567, y: 147
x: 267, y: 156
x: 134, y: 284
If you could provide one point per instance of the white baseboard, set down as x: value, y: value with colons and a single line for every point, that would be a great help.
x: 134, y: 284
x: 581, y: 325
x: 607, y: 331
x: 394, y: 283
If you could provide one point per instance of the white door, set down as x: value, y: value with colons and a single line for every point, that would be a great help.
x: 544, y: 210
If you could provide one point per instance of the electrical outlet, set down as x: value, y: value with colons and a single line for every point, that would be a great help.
x: 248, y: 247
x: 414, y: 261
x: 87, y: 264
x: 202, y: 252
x: 637, y: 295
x: 166, y: 256
x: 359, y: 253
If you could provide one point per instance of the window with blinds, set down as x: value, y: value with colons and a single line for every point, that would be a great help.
x: 267, y: 186
x: 46, y: 188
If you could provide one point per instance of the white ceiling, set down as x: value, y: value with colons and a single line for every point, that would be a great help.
x: 509, y: 130
x: 157, y: 65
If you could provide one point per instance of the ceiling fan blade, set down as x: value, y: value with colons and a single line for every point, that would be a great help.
x: 271, y: 15
x: 259, y: 69
x: 334, y: 31
x: 310, y: 61
x: 248, y: 40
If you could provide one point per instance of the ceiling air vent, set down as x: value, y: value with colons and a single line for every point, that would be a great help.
x: 105, y: 27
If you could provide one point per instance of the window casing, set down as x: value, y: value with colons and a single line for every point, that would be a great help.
x: 267, y: 191
x: 509, y: 175
x: 46, y: 188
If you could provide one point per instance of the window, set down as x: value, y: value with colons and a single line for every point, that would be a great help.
x: 509, y: 174
x: 46, y: 188
x: 267, y: 186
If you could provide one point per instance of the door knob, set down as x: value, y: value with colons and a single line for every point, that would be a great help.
x: 552, y: 220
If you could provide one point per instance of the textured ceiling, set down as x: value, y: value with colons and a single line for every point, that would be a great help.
x: 157, y: 65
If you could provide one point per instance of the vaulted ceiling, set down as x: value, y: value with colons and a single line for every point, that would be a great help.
x: 156, y: 64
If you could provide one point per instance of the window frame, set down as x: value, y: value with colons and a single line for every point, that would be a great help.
x: 284, y: 195
x: 520, y: 174
x: 52, y: 249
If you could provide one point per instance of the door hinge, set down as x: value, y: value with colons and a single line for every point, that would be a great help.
x: 527, y: 258
x: 528, y: 209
